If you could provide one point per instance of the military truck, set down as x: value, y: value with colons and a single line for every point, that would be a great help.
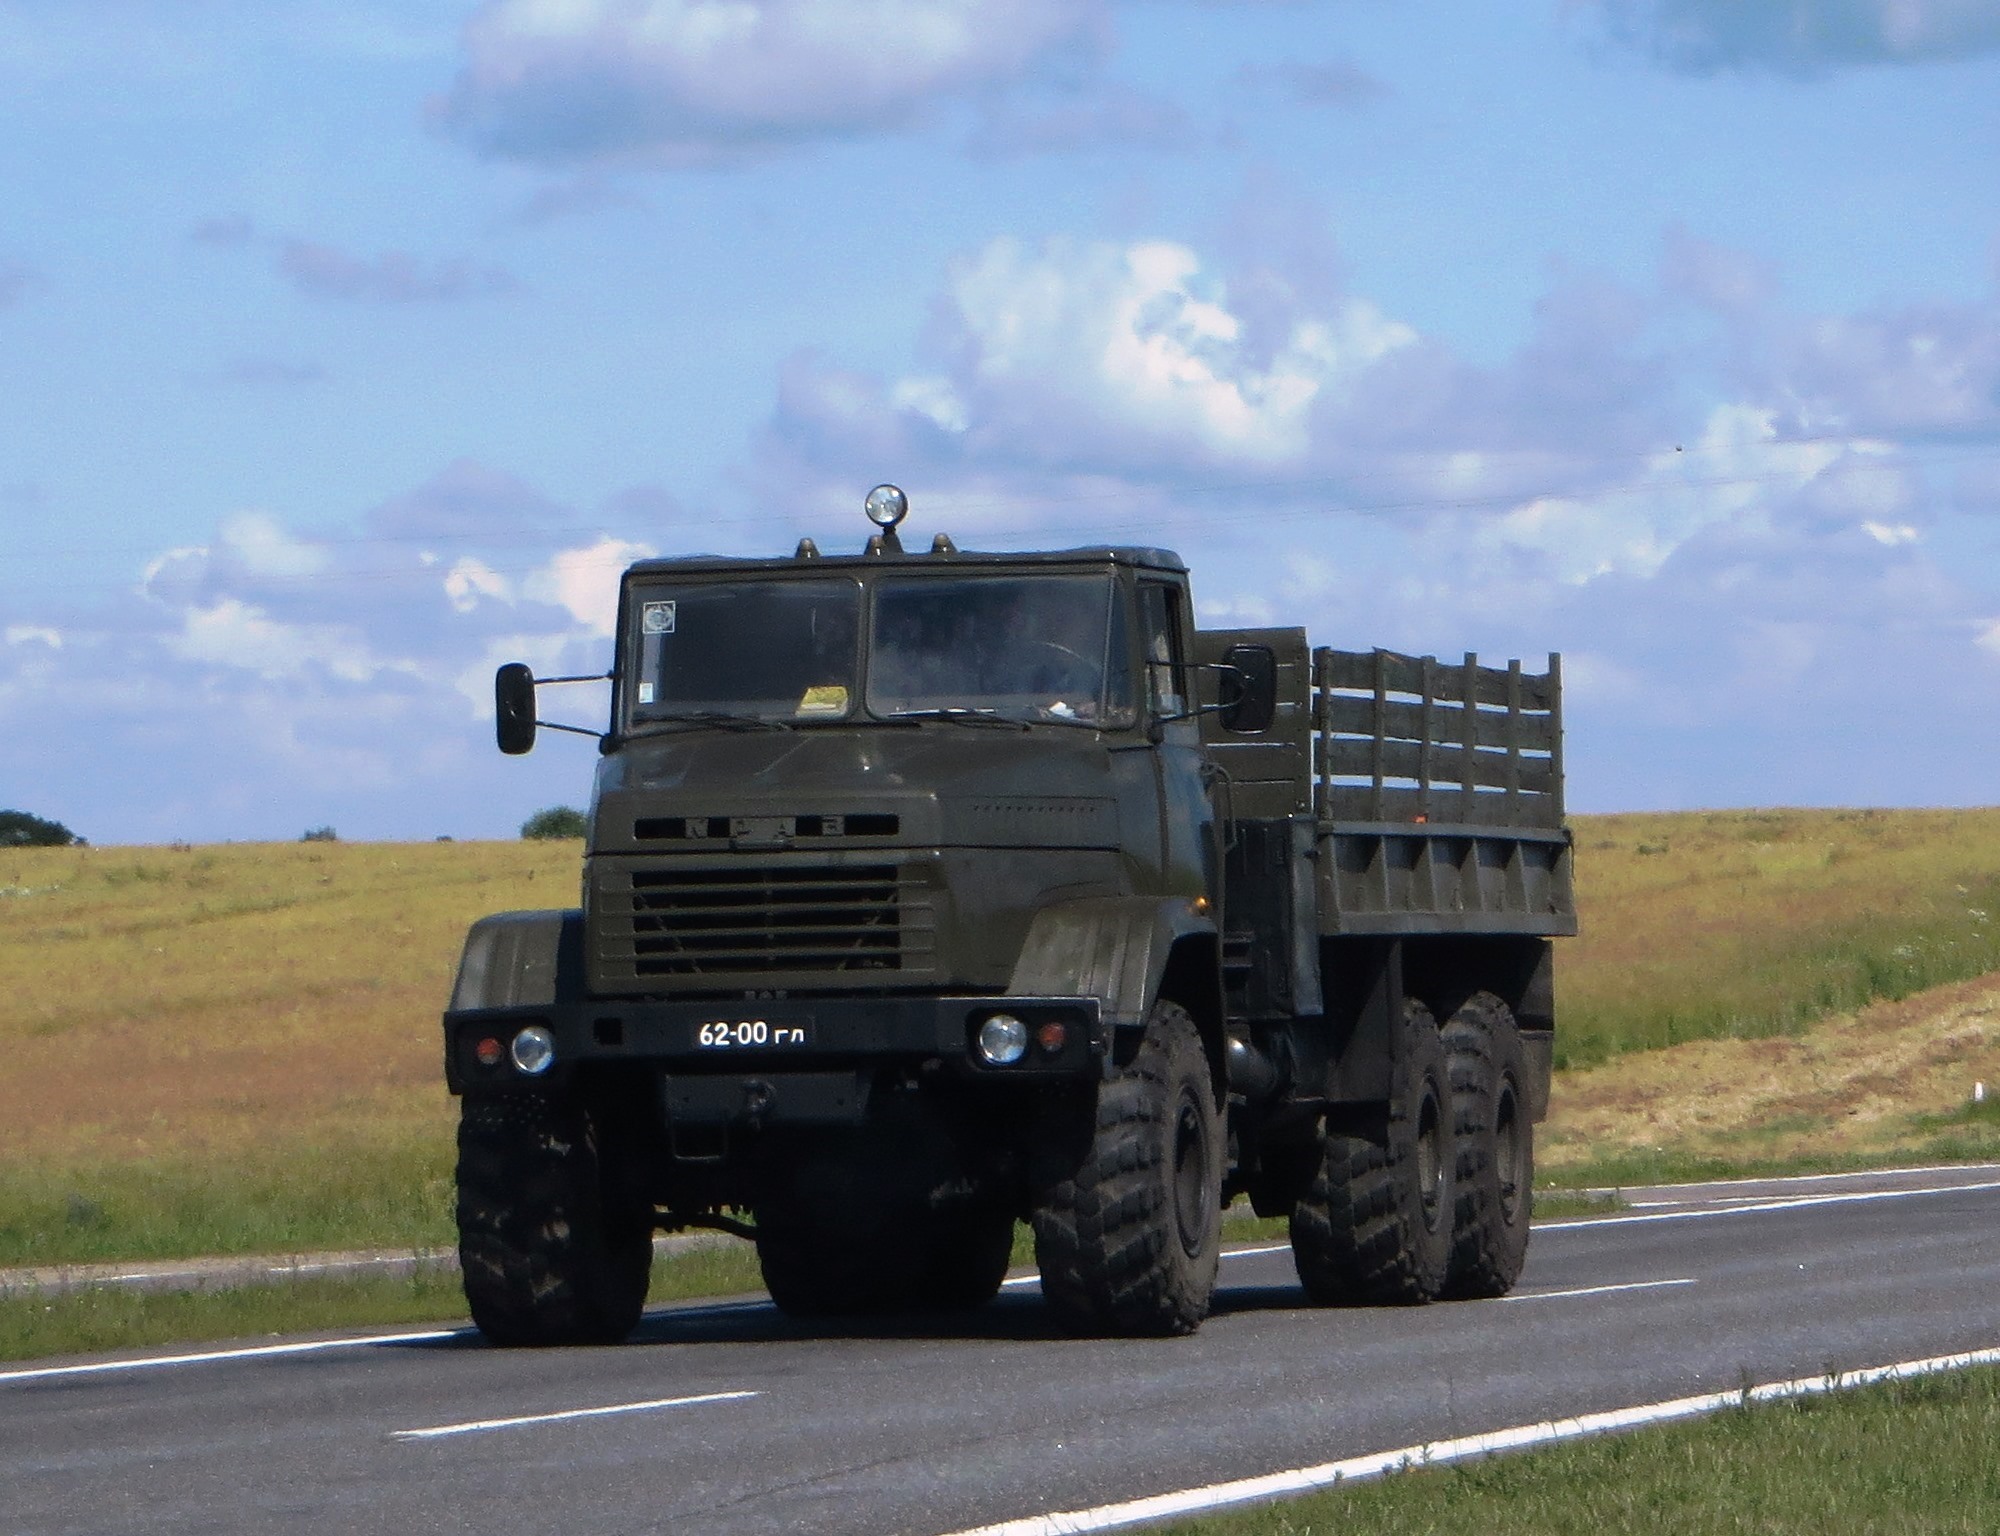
x: 929, y: 892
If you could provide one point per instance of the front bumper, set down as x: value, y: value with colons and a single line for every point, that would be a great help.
x: 852, y: 1038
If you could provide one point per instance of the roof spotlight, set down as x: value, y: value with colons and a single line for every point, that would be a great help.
x: 886, y: 506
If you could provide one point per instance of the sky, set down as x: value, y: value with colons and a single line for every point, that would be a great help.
x: 349, y: 348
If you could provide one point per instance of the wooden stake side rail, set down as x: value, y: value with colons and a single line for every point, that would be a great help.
x: 1413, y: 739
x: 1439, y: 796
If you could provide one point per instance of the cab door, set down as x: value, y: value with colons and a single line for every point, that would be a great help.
x: 1190, y: 852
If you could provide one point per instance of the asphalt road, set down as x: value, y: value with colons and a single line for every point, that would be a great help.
x: 730, y: 1418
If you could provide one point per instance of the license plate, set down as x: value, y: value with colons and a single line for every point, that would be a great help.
x: 749, y: 1034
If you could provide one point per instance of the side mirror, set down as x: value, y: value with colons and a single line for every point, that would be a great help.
x: 1256, y: 676
x: 514, y: 708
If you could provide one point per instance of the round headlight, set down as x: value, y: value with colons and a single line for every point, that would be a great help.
x: 533, y: 1050
x: 886, y: 506
x: 1003, y: 1040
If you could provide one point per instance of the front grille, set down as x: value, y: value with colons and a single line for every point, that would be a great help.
x: 772, y: 919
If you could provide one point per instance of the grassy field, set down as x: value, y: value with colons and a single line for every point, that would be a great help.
x: 1908, y: 1458
x: 1750, y: 924
x: 234, y: 1048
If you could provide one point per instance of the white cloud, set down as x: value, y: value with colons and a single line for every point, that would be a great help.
x: 34, y: 634
x: 1803, y: 37
x: 1737, y: 468
x: 469, y: 580
x: 233, y: 633
x: 264, y: 548
x: 680, y: 81
x: 543, y: 653
x: 933, y: 398
x: 1072, y: 341
x: 585, y: 581
x: 1891, y: 534
x: 172, y: 566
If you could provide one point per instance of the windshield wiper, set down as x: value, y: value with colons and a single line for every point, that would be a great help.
x: 715, y: 719
x: 961, y: 714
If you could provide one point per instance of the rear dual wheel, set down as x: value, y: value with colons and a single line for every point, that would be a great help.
x: 1374, y: 1226
x: 1494, y: 1137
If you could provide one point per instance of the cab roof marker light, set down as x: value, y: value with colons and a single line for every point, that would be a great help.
x: 886, y: 506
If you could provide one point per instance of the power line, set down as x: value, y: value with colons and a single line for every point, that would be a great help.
x: 1403, y: 467
x: 1086, y: 530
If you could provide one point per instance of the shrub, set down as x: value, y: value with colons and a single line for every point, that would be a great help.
x: 18, y: 829
x: 556, y: 821
x: 319, y: 835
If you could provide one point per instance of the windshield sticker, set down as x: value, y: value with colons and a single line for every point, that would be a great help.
x: 657, y: 619
x: 826, y: 699
x: 645, y: 693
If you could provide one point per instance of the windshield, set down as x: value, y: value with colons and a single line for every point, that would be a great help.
x: 778, y: 650
x: 1035, y: 648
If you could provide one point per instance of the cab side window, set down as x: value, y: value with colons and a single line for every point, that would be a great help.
x: 1160, y: 631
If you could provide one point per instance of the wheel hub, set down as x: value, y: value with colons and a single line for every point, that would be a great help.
x: 1191, y: 1176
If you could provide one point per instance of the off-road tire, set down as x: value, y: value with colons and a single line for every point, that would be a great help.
x: 1495, y: 1148
x: 1128, y: 1239
x: 830, y: 1245
x: 1374, y: 1227
x: 548, y: 1252
x: 966, y: 1253
x: 885, y: 1217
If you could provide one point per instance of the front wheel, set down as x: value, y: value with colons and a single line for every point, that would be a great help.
x: 550, y: 1250
x: 1374, y: 1226
x: 1129, y: 1238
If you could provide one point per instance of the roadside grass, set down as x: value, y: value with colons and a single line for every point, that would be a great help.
x: 234, y: 1049
x: 1910, y: 1458
x: 97, y: 1321
x: 301, y: 1199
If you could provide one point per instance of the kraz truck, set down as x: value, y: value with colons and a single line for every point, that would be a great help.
x: 929, y: 892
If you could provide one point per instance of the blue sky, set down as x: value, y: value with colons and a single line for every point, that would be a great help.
x: 348, y: 349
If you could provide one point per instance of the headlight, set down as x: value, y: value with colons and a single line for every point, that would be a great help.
x: 1003, y: 1040
x: 533, y: 1050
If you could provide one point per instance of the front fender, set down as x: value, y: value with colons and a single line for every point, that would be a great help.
x: 1112, y: 948
x: 521, y: 960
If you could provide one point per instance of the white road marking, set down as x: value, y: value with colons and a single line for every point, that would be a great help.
x: 1795, y: 1203
x: 1594, y: 1290
x: 1274, y: 1485
x: 479, y: 1426
x: 258, y: 1351
x: 1792, y: 1203
x: 1022, y: 1281
x: 205, y: 1357
x: 1807, y: 1178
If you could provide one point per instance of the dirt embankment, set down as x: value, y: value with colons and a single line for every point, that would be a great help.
x: 1896, y: 1077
